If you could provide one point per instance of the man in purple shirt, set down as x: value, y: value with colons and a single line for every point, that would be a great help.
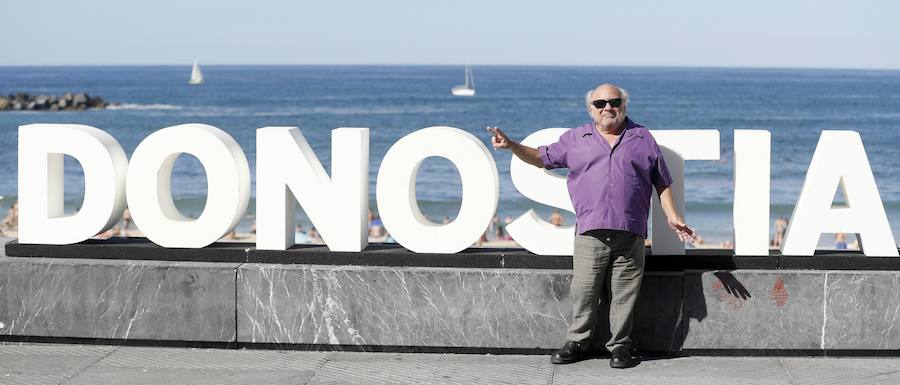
x: 614, y: 164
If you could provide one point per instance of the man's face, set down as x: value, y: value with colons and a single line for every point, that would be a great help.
x: 608, y: 116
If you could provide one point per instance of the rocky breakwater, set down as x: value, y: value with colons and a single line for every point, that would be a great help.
x: 68, y: 102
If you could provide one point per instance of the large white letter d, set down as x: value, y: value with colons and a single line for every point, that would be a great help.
x: 41, y: 151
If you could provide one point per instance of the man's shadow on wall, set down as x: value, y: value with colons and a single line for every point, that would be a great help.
x: 667, y: 304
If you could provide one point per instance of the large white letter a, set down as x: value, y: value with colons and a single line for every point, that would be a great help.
x: 839, y: 160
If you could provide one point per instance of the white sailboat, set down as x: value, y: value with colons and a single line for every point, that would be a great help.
x: 467, y: 89
x: 196, y: 75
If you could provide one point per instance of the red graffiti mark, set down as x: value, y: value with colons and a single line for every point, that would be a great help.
x: 779, y: 294
x: 722, y: 294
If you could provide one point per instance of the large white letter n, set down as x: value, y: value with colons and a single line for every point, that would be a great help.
x: 337, y: 206
x: 839, y: 160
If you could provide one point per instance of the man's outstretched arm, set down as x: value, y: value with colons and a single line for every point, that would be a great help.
x: 527, y: 154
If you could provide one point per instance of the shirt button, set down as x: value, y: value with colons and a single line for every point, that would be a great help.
x: 607, y: 239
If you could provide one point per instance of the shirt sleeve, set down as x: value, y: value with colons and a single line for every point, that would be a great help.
x: 556, y: 155
x: 659, y: 173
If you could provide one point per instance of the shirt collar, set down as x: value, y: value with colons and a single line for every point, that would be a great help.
x: 629, y: 125
x: 588, y: 129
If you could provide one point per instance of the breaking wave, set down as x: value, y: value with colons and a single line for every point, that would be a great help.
x: 136, y: 106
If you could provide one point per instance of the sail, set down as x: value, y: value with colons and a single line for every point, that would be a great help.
x: 467, y: 89
x: 196, y: 75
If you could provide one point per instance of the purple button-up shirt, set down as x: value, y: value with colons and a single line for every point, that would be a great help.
x: 610, y: 187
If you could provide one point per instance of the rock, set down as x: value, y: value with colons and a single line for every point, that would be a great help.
x: 41, y: 102
x: 96, y: 102
x: 79, y: 99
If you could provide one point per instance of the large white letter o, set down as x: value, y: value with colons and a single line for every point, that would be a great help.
x: 148, y: 186
x: 396, y: 190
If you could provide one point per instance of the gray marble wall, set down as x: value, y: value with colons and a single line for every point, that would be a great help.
x: 437, y: 307
x: 518, y: 308
x: 406, y: 306
x: 118, y: 299
x: 862, y: 310
x: 658, y: 316
x: 753, y: 309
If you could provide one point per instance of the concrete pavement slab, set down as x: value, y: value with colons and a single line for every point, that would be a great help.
x: 683, y: 370
x: 46, y: 364
x: 392, y: 368
x: 841, y: 371
x: 91, y: 364
x: 178, y: 376
x: 143, y: 365
x: 190, y: 358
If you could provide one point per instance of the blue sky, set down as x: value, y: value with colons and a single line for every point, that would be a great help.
x: 761, y: 33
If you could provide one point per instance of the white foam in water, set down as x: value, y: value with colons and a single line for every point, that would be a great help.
x: 135, y: 106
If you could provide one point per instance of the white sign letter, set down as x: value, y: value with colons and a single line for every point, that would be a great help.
x: 396, y: 190
x: 839, y: 160
x: 529, y: 230
x: 677, y: 147
x: 41, y: 151
x: 336, y: 206
x: 752, y: 158
x: 149, y: 185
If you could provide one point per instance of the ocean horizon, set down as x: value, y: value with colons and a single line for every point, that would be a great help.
x: 395, y: 100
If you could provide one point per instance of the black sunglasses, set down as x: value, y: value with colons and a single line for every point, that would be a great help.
x: 600, y: 103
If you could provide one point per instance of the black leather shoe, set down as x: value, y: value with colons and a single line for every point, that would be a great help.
x: 570, y: 352
x: 621, y: 358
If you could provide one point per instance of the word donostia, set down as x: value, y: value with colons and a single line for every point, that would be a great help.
x: 288, y: 172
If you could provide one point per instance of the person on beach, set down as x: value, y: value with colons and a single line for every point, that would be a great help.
x: 780, y: 229
x: 126, y: 222
x: 613, y: 163
x: 840, y: 241
x: 12, y: 217
x: 556, y: 219
x: 300, y: 235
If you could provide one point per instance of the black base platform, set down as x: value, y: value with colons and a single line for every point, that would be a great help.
x: 392, y: 254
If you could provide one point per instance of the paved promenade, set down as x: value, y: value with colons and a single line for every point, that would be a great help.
x: 90, y: 364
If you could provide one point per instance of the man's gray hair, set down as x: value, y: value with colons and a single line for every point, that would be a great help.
x: 622, y: 91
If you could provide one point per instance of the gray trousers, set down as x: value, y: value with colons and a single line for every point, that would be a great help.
x: 604, y: 257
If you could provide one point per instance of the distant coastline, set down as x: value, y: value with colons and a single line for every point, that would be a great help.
x: 23, y: 101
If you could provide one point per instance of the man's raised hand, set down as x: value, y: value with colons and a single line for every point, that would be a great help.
x: 499, y: 139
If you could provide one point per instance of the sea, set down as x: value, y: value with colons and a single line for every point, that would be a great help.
x: 795, y: 105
